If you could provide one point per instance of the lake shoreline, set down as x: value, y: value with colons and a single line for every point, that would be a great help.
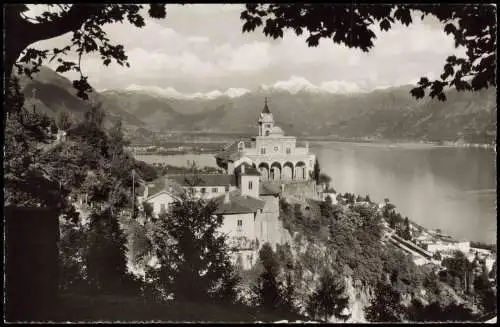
x: 437, y: 186
x: 395, y: 145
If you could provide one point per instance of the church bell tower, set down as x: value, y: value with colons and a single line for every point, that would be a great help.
x: 266, y: 121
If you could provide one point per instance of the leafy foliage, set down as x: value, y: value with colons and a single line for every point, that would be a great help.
x: 85, y: 22
x: 105, y: 259
x: 435, y: 312
x: 457, y: 267
x: 288, y: 288
x: 26, y: 181
x: 386, y: 306
x: 139, y: 244
x: 268, y: 287
x: 193, y: 256
x: 472, y: 27
x: 64, y: 121
x: 328, y: 299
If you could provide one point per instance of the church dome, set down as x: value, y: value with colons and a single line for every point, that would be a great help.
x: 276, y: 130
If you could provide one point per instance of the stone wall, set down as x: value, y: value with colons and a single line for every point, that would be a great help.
x: 32, y: 266
x: 300, y: 190
x: 268, y: 225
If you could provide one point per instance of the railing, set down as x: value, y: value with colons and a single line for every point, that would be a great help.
x: 413, y: 247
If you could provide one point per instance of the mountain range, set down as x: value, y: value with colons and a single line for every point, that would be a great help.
x: 300, y: 109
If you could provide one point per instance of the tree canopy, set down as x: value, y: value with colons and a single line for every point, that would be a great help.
x: 472, y: 27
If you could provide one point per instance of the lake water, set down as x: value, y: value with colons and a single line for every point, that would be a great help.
x: 453, y: 189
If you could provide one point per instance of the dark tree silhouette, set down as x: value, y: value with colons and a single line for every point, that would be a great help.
x: 268, y: 287
x: 325, y: 180
x: 317, y: 172
x: 106, y: 261
x: 194, y: 257
x: 407, y: 229
x: 386, y: 306
x: 472, y: 27
x: 329, y: 298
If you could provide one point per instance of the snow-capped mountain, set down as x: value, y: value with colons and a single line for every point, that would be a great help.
x: 293, y: 85
x: 171, y: 92
x: 297, y: 84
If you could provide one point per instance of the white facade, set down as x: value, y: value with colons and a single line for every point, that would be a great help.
x: 160, y: 201
x: 209, y: 192
x: 239, y: 225
x: 449, y: 247
x: 276, y: 156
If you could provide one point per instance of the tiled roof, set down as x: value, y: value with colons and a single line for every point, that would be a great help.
x: 175, y: 183
x: 249, y: 170
x: 238, y: 203
x: 235, y: 156
x: 203, y: 179
x: 232, y: 149
x: 268, y: 189
x: 252, y: 171
x: 161, y: 184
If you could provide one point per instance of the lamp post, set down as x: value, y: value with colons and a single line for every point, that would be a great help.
x: 133, y: 193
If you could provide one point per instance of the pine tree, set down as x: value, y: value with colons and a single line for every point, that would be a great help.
x: 106, y: 260
x: 316, y: 172
x: 268, y: 287
x: 386, y: 306
x: 407, y: 230
x: 288, y: 291
x: 328, y: 299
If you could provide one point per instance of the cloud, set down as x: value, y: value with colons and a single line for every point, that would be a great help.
x: 200, y: 47
x: 245, y: 58
x: 198, y: 39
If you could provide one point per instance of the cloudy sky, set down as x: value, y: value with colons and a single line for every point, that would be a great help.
x: 200, y: 48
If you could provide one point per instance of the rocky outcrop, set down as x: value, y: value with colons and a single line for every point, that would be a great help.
x: 313, y: 258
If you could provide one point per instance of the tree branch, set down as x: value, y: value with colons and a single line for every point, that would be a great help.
x: 69, y: 22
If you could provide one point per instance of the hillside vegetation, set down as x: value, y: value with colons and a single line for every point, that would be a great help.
x: 380, y: 281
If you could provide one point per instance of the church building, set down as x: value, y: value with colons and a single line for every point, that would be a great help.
x: 277, y: 157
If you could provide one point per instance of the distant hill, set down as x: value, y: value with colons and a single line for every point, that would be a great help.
x: 55, y: 93
x: 390, y: 113
x: 383, y: 114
